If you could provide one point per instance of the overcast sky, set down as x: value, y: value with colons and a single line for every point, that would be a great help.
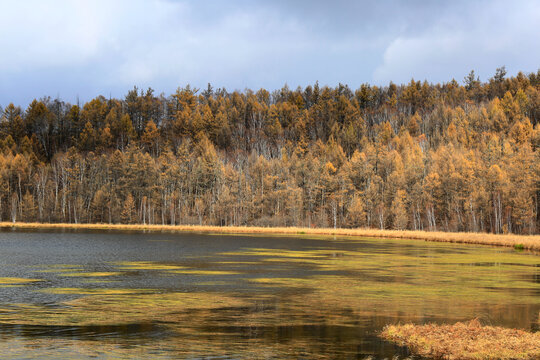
x: 87, y: 48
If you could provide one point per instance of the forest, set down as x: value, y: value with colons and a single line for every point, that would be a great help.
x: 456, y: 156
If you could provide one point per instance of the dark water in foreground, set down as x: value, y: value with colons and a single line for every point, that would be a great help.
x: 136, y: 295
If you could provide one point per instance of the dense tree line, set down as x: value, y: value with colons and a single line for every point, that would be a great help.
x: 416, y: 156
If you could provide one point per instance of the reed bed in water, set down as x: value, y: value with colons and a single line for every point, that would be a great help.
x: 530, y: 242
x: 465, y: 341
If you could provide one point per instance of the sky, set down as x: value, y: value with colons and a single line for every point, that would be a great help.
x: 75, y: 49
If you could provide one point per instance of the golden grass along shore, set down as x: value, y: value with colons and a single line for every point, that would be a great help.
x: 530, y: 242
x: 465, y: 341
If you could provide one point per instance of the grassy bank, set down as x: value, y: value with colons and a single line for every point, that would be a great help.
x: 465, y: 341
x: 531, y: 242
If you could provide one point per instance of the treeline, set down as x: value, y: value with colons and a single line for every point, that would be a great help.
x: 416, y: 156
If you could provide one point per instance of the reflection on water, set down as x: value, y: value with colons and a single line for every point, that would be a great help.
x: 125, y: 295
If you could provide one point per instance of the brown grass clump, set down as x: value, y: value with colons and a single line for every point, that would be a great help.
x: 465, y: 341
x: 531, y: 242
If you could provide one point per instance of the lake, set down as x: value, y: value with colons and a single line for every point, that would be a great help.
x: 163, y: 295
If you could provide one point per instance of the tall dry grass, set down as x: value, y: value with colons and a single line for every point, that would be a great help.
x: 465, y: 341
x: 531, y: 242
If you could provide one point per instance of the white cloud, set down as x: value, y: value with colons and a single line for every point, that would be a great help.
x: 42, y: 33
x: 483, y: 38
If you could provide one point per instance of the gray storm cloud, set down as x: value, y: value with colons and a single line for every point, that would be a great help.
x: 82, y: 48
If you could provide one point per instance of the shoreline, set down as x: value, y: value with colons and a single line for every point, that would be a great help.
x: 526, y: 242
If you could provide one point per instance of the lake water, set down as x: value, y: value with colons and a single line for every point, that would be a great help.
x: 161, y: 295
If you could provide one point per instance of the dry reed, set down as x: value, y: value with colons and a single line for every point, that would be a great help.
x: 530, y: 242
x: 465, y: 341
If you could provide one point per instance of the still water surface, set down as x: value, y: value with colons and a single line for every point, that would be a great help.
x: 156, y: 295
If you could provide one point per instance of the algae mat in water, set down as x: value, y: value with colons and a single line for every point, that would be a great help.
x: 196, y: 296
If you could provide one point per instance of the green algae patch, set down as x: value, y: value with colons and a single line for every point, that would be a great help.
x: 98, y: 280
x: 93, y: 274
x: 16, y: 281
x: 364, y: 295
x: 146, y: 265
x: 279, y: 253
x: 214, y: 283
x: 118, y: 309
x: 63, y: 266
x: 279, y: 281
x: 94, y: 291
x: 465, y: 341
x: 487, y: 275
x: 204, y: 272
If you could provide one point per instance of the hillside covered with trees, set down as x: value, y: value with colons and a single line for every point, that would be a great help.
x: 417, y: 156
